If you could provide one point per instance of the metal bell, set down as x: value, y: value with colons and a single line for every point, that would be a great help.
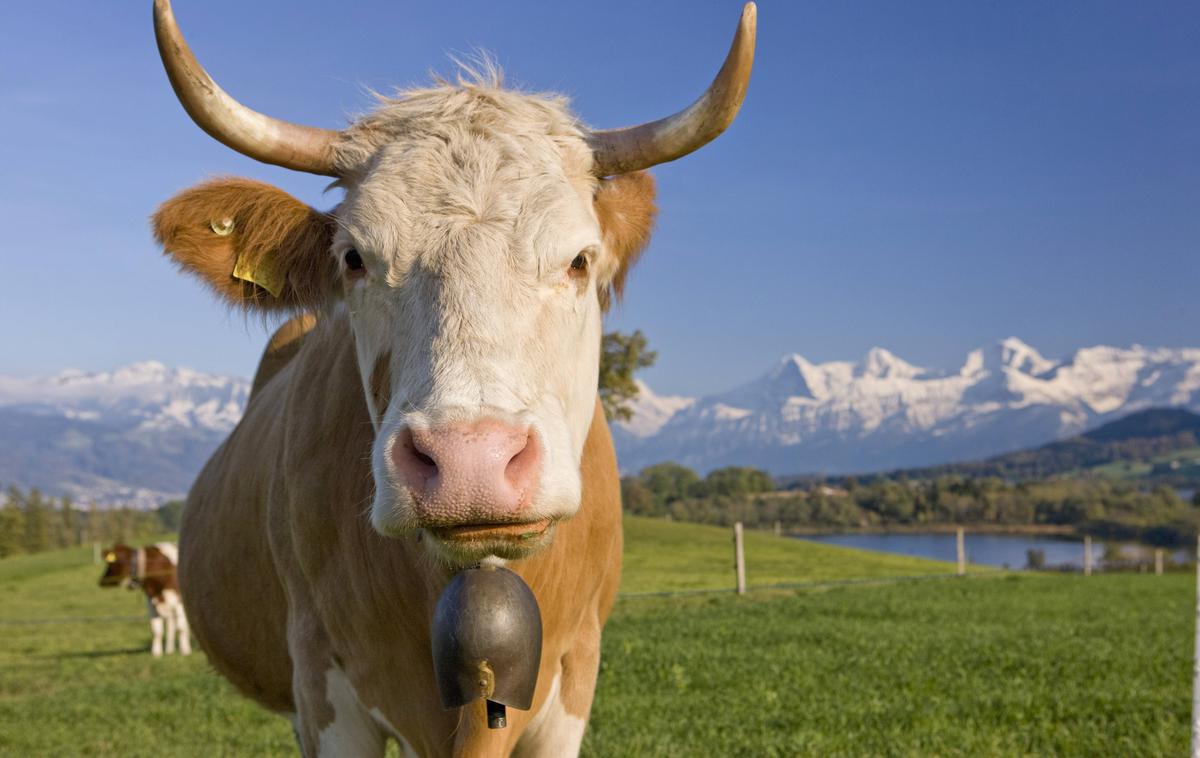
x: 487, y: 641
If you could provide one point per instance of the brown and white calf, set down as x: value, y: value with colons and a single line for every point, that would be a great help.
x: 432, y: 403
x: 152, y: 570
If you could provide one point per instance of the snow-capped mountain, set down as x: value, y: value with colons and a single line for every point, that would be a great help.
x: 137, y: 435
x: 883, y: 412
x: 140, y: 434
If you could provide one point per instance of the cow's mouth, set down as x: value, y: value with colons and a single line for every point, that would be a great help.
x: 505, y: 533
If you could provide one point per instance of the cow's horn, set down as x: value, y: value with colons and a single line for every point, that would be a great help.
x: 303, y: 148
x: 633, y: 148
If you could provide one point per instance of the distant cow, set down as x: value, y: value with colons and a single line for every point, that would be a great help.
x: 152, y: 570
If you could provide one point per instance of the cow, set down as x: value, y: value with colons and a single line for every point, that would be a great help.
x: 152, y: 570
x: 430, y: 404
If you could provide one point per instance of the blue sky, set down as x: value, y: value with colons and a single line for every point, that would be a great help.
x: 925, y: 176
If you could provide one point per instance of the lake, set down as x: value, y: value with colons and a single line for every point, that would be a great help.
x: 1000, y: 550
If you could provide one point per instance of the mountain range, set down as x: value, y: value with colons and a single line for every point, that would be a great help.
x: 885, y: 413
x: 134, y: 436
x: 138, y: 435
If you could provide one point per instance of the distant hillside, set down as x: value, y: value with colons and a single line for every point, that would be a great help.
x: 1160, y: 445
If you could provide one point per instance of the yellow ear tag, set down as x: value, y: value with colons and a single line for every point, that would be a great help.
x: 261, y: 273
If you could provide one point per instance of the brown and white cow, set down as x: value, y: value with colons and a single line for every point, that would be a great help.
x: 433, y: 403
x: 152, y: 570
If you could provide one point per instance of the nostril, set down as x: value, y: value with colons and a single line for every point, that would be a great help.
x: 413, y: 457
x: 522, y: 466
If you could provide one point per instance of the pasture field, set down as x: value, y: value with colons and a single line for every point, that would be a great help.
x: 994, y: 665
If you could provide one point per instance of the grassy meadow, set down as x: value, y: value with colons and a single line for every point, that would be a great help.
x: 991, y: 665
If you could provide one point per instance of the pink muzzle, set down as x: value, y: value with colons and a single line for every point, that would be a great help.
x: 482, y: 472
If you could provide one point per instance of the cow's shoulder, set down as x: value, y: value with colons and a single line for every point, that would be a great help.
x: 283, y: 346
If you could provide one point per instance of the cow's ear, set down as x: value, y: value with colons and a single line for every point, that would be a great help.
x: 257, y: 246
x: 626, y: 210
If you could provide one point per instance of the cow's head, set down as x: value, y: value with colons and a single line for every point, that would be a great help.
x: 481, y: 235
x: 118, y: 566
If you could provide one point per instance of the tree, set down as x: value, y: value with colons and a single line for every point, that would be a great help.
x: 669, y: 482
x: 37, y: 523
x: 636, y: 498
x: 738, y: 480
x: 620, y: 356
x: 171, y: 514
x: 12, y: 524
x: 69, y: 529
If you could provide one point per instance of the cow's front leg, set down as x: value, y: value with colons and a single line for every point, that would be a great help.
x: 169, y: 616
x: 156, y: 636
x: 330, y: 719
x: 185, y: 632
x: 557, y: 728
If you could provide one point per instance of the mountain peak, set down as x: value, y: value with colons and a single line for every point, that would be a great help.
x: 1016, y: 354
x: 1009, y: 353
x: 884, y: 364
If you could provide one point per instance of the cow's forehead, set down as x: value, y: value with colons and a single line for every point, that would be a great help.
x: 476, y: 122
x: 446, y: 160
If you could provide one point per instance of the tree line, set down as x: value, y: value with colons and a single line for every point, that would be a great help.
x: 1103, y: 508
x: 31, y: 522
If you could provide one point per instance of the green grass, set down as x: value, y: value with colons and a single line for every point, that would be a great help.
x: 671, y: 556
x: 92, y: 688
x: 991, y: 665
x: 1023, y: 665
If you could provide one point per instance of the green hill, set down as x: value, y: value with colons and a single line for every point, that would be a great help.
x: 1140, y: 442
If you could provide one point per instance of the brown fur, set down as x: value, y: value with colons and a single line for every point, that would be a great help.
x: 271, y: 229
x: 328, y: 588
x: 282, y: 347
x: 626, y: 210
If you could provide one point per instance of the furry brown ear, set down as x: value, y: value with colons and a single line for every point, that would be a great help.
x: 257, y: 246
x: 625, y: 206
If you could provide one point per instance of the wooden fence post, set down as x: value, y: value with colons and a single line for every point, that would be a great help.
x: 739, y: 558
x: 1087, y: 555
x: 1158, y: 561
x: 961, y: 551
x: 778, y: 528
x: 95, y: 553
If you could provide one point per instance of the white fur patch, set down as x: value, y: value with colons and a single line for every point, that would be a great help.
x: 352, y: 732
x: 167, y: 617
x: 552, y: 733
x: 170, y: 550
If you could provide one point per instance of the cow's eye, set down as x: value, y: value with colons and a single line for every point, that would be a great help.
x: 579, y: 265
x: 353, y: 260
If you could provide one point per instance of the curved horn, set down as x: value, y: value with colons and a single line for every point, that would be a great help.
x: 633, y: 148
x: 303, y: 148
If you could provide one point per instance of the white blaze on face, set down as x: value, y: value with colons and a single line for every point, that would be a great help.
x: 467, y: 308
